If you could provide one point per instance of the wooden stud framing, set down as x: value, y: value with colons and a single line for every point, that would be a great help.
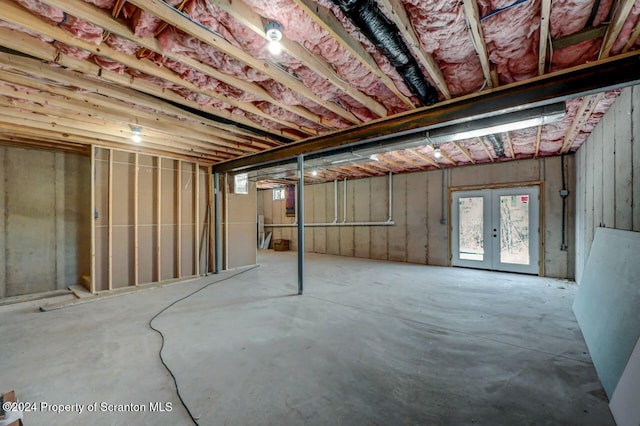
x: 424, y: 157
x: 136, y: 239
x: 110, y: 226
x: 632, y: 38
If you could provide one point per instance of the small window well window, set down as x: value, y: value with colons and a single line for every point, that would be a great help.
x: 241, y: 184
x: 278, y: 193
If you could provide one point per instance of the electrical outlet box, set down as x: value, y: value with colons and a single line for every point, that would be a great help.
x: 564, y: 192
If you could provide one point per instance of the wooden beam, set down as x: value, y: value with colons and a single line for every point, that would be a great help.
x: 111, y: 120
x: 413, y: 163
x: 118, y: 111
x: 587, y: 107
x: 244, y: 14
x: 632, y: 38
x: 507, y: 136
x: 327, y: 20
x: 97, y: 16
x: 465, y: 152
x: 475, y: 28
x: 130, y: 89
x: 11, y: 11
x: 538, y: 141
x: 622, y: 9
x: 424, y: 157
x: 545, y: 22
x: 396, y: 10
x: 170, y: 15
x: 486, y: 149
x: 12, y: 118
x: 607, y: 74
x: 388, y: 158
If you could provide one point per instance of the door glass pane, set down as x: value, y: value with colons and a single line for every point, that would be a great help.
x: 514, y: 229
x: 471, y: 237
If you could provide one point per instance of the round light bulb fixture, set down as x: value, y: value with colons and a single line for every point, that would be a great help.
x: 136, y: 134
x: 314, y: 173
x: 437, y: 153
x: 273, y: 32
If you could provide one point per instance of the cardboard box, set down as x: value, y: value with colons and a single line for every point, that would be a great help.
x: 281, y: 245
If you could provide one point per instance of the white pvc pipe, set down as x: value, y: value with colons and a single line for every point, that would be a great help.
x: 388, y: 222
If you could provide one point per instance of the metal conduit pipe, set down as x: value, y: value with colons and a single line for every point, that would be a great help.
x: 344, y: 216
x: 388, y: 222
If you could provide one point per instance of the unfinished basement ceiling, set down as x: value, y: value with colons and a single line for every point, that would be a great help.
x: 198, y: 80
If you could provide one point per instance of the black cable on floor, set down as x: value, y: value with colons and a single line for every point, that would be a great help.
x: 175, y: 382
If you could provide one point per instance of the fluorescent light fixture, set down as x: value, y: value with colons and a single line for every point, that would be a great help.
x: 136, y: 134
x: 273, y: 32
x: 499, y: 124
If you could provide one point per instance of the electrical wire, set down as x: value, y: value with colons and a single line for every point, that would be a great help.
x: 173, y: 377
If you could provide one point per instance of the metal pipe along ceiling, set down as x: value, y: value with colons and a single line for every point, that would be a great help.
x: 369, y: 19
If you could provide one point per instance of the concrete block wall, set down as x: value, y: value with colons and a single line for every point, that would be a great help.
x: 607, y: 175
x: 421, y: 213
x: 44, y: 220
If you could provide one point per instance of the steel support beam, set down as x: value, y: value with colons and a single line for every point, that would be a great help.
x: 217, y: 243
x: 300, y: 207
x: 607, y: 74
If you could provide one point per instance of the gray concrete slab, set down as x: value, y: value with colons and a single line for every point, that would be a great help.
x: 370, y: 342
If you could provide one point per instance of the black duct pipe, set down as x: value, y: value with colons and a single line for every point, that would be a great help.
x: 384, y: 34
x: 498, y: 146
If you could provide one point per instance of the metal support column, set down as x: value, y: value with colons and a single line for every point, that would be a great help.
x: 217, y: 244
x: 300, y: 223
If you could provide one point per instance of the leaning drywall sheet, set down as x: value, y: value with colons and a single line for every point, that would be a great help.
x: 624, y: 403
x: 608, y: 302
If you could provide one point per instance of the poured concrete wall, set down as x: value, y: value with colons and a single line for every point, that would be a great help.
x: 607, y: 170
x: 420, y: 213
x: 44, y: 220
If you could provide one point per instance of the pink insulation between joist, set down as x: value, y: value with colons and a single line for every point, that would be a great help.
x: 511, y: 36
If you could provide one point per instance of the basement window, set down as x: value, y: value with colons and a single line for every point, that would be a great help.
x: 241, y: 184
x: 278, y: 194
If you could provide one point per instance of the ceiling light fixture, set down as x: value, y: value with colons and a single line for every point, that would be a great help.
x: 499, y: 124
x: 436, y: 152
x: 136, y: 134
x: 314, y: 173
x: 273, y: 32
x: 374, y: 157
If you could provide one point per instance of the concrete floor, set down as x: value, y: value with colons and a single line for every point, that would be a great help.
x: 369, y: 343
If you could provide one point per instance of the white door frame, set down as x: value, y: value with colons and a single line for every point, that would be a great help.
x: 491, y: 228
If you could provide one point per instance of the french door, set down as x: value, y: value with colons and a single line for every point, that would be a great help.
x: 496, y: 229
